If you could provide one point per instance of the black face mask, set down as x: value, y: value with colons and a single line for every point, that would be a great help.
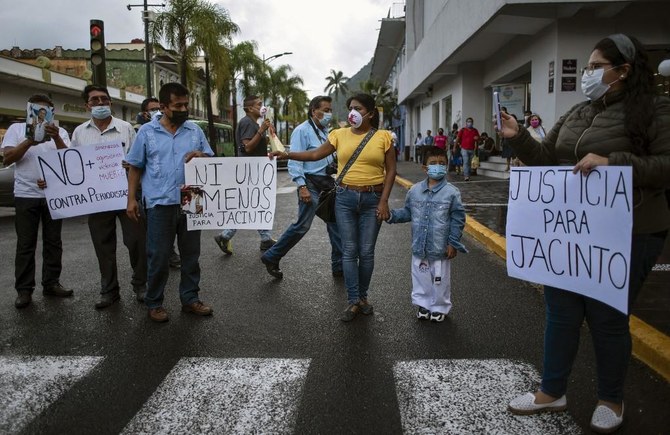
x: 178, y: 117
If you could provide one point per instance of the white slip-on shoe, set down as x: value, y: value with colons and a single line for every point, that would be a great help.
x: 604, y: 420
x: 525, y: 405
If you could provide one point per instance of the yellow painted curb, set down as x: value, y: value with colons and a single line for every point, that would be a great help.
x: 650, y: 346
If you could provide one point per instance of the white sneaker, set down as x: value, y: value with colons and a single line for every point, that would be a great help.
x: 525, y: 405
x: 604, y: 420
x: 437, y: 317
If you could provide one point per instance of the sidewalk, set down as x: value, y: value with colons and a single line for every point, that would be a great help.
x: 485, y: 201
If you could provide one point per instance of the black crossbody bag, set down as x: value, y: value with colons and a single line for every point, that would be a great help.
x: 326, y: 207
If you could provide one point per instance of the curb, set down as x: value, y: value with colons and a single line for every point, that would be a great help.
x: 650, y: 346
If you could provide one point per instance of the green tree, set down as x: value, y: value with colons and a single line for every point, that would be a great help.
x: 243, y: 64
x: 384, y: 97
x: 193, y: 26
x: 337, y: 83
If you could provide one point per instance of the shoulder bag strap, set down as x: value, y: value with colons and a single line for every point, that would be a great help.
x: 355, y: 155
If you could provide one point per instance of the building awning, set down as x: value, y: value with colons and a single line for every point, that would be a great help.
x: 389, y: 45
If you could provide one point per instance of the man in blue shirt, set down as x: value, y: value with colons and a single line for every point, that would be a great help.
x: 311, y: 179
x: 157, y: 157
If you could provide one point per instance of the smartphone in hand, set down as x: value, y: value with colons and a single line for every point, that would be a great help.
x: 496, y: 107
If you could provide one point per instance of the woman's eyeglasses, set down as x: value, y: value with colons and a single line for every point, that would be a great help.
x: 589, y: 69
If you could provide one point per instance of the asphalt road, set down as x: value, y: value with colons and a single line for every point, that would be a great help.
x: 274, y: 358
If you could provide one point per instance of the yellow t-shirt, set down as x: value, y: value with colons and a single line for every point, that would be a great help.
x: 368, y: 169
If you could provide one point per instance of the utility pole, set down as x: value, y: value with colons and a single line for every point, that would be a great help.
x: 147, y: 44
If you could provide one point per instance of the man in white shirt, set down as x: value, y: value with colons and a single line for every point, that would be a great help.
x: 104, y: 128
x: 31, y: 209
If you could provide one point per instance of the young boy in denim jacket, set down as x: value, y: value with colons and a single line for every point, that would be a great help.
x: 438, y: 217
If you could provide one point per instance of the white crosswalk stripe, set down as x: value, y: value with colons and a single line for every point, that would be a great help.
x: 210, y: 395
x: 29, y: 384
x: 470, y: 396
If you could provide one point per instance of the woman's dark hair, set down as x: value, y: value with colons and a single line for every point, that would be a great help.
x: 638, y: 91
x: 454, y: 126
x: 368, y: 102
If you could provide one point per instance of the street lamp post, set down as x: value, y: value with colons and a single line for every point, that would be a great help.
x: 267, y: 60
x: 147, y: 44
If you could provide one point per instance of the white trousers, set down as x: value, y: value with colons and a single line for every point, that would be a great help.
x: 431, y: 284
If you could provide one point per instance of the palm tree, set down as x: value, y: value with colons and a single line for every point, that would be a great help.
x: 384, y: 96
x: 192, y: 26
x: 288, y: 89
x: 337, y: 83
x: 244, y: 64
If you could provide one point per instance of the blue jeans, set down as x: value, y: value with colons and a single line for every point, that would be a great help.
x: 356, y: 214
x: 163, y: 222
x: 265, y: 234
x: 609, y: 328
x: 467, y: 161
x: 296, y: 231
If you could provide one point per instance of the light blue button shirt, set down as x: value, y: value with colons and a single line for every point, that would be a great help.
x: 304, y: 138
x: 162, y: 156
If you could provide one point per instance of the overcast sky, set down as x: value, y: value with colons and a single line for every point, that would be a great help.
x: 339, y: 35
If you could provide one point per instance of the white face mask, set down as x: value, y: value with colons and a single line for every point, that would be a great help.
x: 593, y: 86
x: 355, y: 118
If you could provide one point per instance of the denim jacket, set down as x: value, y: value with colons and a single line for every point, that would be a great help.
x: 437, y: 216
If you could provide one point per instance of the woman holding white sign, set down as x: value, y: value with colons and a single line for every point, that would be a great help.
x: 622, y: 124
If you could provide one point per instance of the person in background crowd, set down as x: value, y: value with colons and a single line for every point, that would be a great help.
x: 526, y: 118
x: 428, y: 141
x: 252, y: 142
x: 418, y: 143
x: 441, y: 140
x: 507, y: 151
x: 535, y: 128
x: 149, y: 108
x: 362, y: 196
x: 157, y: 157
x: 31, y: 209
x: 487, y: 147
x: 311, y: 179
x: 467, y: 141
x: 436, y: 236
x: 104, y: 128
x: 452, y: 136
x: 623, y: 123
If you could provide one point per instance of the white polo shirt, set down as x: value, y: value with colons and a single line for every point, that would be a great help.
x: 27, y: 170
x: 89, y: 134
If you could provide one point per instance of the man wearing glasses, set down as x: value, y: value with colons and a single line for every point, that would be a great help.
x: 104, y: 128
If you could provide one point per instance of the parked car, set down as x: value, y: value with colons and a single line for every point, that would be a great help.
x: 7, y: 186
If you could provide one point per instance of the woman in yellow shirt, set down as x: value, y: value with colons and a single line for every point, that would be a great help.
x: 362, y: 196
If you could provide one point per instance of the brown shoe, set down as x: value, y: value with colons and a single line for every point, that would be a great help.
x: 158, y: 315
x: 197, y: 308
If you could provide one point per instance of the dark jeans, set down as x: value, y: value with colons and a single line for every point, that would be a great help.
x: 163, y: 222
x: 103, y: 234
x: 29, y: 213
x: 609, y: 328
x: 296, y: 231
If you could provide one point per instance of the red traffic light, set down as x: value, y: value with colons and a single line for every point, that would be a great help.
x: 96, y: 30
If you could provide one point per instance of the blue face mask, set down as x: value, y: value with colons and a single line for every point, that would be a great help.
x: 101, y: 112
x: 325, y: 121
x: 437, y: 172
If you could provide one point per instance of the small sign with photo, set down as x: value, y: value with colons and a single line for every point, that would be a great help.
x: 38, y: 116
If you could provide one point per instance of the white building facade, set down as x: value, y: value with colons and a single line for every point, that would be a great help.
x: 455, y: 53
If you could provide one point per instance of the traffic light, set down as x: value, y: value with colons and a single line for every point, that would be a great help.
x: 97, y: 33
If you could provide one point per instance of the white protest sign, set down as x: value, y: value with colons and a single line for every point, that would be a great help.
x: 230, y: 192
x: 84, y: 180
x: 572, y: 231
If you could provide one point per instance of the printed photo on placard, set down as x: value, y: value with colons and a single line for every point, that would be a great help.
x: 38, y: 116
x: 191, y: 199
